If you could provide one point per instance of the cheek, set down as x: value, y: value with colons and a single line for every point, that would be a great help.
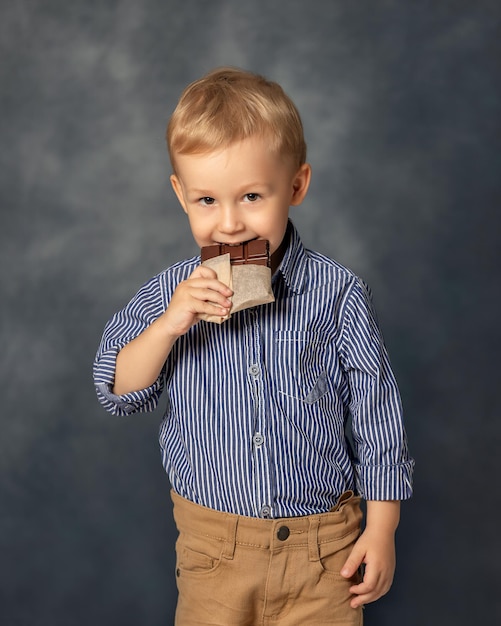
x: 201, y: 230
x: 195, y: 227
x: 276, y: 232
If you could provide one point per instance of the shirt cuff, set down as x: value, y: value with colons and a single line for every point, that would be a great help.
x: 142, y: 401
x: 385, y: 482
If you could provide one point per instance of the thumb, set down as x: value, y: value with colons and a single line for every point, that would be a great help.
x: 352, y: 563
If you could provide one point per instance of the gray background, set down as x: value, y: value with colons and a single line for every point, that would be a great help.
x: 400, y: 102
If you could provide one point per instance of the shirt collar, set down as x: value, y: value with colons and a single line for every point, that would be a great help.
x: 293, y: 267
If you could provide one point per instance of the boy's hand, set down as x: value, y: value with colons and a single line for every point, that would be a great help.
x: 376, y: 550
x: 377, y: 553
x: 201, y: 294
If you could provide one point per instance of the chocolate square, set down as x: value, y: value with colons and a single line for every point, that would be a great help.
x: 256, y: 251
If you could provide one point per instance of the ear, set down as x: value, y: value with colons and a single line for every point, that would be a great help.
x: 178, y: 190
x: 300, y: 184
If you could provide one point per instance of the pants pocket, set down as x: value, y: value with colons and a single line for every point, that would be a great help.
x: 333, y: 554
x: 197, y: 555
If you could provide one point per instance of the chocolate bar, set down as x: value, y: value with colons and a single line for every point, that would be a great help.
x: 256, y: 251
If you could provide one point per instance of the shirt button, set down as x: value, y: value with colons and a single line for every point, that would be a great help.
x: 265, y: 511
x: 283, y: 533
x: 254, y: 370
x: 258, y: 439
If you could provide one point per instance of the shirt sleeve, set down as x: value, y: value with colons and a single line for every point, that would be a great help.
x: 146, y: 306
x: 383, y: 466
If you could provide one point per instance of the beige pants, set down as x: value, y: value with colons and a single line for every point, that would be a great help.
x: 241, y: 571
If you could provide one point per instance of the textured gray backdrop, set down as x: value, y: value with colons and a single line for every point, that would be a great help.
x: 401, y: 105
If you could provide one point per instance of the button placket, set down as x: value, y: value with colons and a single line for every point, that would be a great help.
x: 265, y: 511
x: 254, y: 370
x: 258, y: 440
x: 256, y: 376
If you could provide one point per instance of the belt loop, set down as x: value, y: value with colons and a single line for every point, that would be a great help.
x: 343, y: 499
x: 313, y: 548
x: 231, y: 537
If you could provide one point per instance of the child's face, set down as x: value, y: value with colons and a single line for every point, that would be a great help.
x: 239, y: 193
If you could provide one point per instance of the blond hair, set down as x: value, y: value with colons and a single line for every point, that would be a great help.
x: 228, y: 105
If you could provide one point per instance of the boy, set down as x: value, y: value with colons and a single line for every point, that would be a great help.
x: 253, y: 437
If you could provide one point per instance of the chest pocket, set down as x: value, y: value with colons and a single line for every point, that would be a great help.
x: 302, y: 360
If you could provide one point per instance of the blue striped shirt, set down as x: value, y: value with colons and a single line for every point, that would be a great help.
x: 281, y: 408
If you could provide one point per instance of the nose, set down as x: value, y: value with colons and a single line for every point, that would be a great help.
x: 229, y: 220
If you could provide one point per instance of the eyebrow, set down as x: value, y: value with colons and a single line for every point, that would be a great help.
x: 246, y: 186
x: 200, y: 192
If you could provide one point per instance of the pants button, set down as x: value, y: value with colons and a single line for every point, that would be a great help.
x: 283, y: 533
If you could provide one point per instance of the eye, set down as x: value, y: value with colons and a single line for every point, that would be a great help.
x: 207, y: 201
x: 251, y: 197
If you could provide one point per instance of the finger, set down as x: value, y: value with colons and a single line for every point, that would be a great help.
x: 361, y: 601
x: 208, y: 283
x: 352, y: 563
x: 210, y: 309
x: 364, y: 598
x: 362, y: 588
x: 213, y: 296
x: 203, y: 272
x: 367, y: 591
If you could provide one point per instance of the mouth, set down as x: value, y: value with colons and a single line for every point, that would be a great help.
x: 236, y: 243
x: 255, y: 251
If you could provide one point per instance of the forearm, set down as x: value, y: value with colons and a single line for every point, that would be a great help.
x: 383, y: 516
x: 140, y: 362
